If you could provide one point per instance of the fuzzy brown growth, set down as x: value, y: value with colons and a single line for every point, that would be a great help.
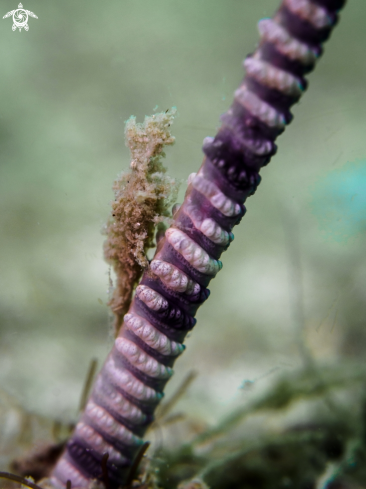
x: 143, y: 197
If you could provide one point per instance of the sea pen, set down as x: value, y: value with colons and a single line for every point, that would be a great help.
x: 131, y: 382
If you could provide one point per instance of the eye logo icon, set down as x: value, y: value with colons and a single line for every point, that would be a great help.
x: 20, y: 18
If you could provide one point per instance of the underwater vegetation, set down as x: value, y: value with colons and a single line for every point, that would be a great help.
x: 326, y: 449
x: 187, y: 257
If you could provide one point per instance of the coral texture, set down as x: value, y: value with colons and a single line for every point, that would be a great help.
x: 131, y: 383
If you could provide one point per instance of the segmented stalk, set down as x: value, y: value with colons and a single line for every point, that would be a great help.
x: 131, y: 382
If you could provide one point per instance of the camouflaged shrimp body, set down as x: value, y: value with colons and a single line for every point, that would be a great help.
x: 131, y: 382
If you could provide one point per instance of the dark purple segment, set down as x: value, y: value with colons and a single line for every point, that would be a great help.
x: 173, y: 316
x: 275, y: 98
x: 218, y: 173
x: 137, y: 429
x: 175, y: 334
x: 167, y: 360
x: 126, y: 450
x: 303, y: 30
x: 122, y: 362
x: 237, y: 139
x: 237, y: 178
x: 146, y: 407
x: 230, y: 153
x: 89, y: 462
x: 189, y: 303
x: 331, y: 5
x: 254, y: 127
x: 246, y: 129
x: 252, y: 131
x: 270, y: 53
x: 185, y: 224
x: 250, y: 128
x: 84, y: 459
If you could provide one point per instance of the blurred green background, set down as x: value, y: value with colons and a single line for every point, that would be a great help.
x: 66, y: 88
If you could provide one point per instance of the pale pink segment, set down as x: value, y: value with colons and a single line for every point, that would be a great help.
x: 122, y: 378
x: 309, y: 11
x: 272, y: 32
x: 273, y: 77
x: 151, y: 336
x: 141, y: 360
x: 192, y: 252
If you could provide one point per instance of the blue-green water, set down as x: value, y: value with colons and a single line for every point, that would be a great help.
x: 339, y: 202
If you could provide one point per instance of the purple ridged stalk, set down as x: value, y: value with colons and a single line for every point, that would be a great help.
x: 131, y: 382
